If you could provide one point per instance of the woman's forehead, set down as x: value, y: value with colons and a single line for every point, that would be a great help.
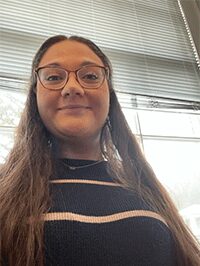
x: 68, y: 53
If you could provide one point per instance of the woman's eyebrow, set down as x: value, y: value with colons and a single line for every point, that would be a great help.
x: 84, y: 63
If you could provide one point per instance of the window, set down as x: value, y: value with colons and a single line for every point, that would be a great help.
x: 156, y: 74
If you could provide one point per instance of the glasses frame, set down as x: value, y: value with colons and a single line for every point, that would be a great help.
x: 106, y: 75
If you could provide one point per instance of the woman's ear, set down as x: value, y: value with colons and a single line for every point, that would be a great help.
x: 35, y: 89
x: 34, y: 82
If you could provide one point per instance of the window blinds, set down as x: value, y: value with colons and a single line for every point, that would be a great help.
x: 146, y: 41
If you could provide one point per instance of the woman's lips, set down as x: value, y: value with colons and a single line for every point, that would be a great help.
x: 74, y: 109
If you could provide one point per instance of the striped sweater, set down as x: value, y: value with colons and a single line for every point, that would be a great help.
x: 95, y: 222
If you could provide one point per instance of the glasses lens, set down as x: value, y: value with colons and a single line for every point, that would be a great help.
x: 52, y: 78
x: 91, y: 76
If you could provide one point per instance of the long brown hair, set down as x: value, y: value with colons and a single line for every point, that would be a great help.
x: 24, y: 186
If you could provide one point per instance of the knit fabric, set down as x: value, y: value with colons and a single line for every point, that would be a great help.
x: 94, y: 222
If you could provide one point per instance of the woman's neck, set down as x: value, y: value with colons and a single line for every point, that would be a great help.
x: 80, y: 150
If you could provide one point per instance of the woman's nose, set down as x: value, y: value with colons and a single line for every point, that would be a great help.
x: 72, y: 87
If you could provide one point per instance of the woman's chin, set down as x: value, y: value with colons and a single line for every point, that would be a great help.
x: 75, y: 128
x: 76, y: 131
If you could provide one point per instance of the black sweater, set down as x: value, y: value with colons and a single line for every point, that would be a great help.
x: 95, y: 222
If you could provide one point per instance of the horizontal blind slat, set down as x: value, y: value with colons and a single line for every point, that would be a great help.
x: 145, y: 39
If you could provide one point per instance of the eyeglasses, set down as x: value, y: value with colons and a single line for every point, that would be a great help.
x: 55, y: 78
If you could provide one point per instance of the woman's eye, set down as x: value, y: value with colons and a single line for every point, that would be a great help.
x: 53, y: 78
x: 90, y: 76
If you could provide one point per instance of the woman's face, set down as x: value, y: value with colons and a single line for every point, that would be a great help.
x: 72, y: 111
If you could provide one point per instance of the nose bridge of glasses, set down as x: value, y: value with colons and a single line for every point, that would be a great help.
x: 71, y: 75
x: 72, y: 84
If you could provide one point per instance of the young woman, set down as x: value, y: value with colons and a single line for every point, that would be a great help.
x: 76, y: 189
